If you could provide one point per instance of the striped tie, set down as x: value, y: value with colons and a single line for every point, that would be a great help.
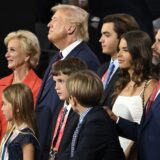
x: 110, y: 72
x: 74, y: 138
x: 63, y: 116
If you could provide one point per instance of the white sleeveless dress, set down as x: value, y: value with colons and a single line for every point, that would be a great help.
x: 131, y: 108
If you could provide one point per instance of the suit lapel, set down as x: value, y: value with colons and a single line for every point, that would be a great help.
x: 75, y: 51
x: 86, y: 119
x: 152, y: 109
x: 109, y: 87
x: 112, y: 81
x: 44, y: 90
x: 55, y: 116
x: 72, y: 122
x: 103, y: 69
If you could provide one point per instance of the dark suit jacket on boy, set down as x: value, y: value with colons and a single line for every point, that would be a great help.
x: 67, y: 136
x: 97, y: 139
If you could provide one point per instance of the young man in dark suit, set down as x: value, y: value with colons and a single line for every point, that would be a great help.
x: 113, y: 27
x: 65, y: 120
x: 95, y: 137
x: 68, y: 31
x: 144, y: 11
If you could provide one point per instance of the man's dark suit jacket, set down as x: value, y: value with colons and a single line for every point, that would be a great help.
x: 147, y: 134
x: 97, y: 139
x: 48, y: 100
x: 107, y: 95
x: 67, y: 136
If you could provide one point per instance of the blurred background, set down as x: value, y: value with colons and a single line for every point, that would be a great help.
x: 34, y: 15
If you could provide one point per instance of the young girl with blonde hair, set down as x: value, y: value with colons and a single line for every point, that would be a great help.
x: 19, y: 141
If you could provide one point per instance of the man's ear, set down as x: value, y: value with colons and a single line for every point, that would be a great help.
x: 73, y: 101
x: 71, y: 29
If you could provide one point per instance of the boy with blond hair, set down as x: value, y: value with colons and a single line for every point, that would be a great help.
x: 95, y: 137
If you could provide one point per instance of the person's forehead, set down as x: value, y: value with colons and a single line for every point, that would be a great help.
x: 158, y: 34
x: 108, y: 25
x: 60, y: 76
x: 58, y: 14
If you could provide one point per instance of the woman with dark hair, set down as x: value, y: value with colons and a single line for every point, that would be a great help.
x: 136, y: 80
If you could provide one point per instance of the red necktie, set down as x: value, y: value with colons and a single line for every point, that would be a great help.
x: 153, y: 96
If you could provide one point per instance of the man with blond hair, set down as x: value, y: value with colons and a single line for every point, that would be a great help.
x: 68, y: 31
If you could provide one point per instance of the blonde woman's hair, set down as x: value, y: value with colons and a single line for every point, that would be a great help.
x: 76, y: 16
x: 29, y: 44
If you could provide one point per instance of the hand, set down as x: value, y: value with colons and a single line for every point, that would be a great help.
x: 110, y: 113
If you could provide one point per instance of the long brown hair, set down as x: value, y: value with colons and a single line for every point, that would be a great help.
x: 21, y: 98
x: 139, y: 46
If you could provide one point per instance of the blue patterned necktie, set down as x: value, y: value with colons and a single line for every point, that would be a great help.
x: 74, y: 138
x: 110, y: 71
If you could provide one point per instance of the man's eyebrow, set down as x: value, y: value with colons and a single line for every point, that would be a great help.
x: 106, y: 32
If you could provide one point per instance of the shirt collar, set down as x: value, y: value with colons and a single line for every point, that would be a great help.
x: 83, y: 114
x: 68, y: 106
x: 68, y: 49
x: 116, y: 63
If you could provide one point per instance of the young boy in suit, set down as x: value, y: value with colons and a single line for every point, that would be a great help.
x: 95, y: 137
x: 65, y: 120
